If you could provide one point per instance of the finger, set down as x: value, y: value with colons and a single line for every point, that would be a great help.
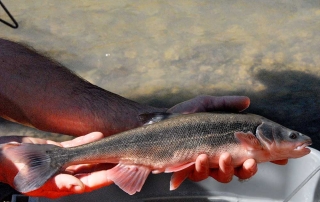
x: 227, y: 103
x: 7, y: 139
x: 280, y: 162
x: 247, y: 170
x: 225, y: 172
x: 87, y: 168
x: 24, y: 139
x: 201, y: 169
x: 94, y: 180
x: 60, y: 185
x: 49, y: 194
x: 91, y: 137
x: 32, y: 140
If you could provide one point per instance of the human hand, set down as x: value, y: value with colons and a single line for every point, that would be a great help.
x: 225, y: 172
x: 92, y: 176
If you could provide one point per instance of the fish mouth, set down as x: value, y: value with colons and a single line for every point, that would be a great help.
x: 302, y: 146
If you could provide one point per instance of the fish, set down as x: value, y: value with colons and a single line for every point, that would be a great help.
x: 167, y: 145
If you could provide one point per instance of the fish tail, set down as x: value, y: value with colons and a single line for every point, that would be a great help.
x: 38, y: 168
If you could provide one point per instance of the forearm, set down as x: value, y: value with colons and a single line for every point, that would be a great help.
x: 38, y: 92
x: 94, y: 109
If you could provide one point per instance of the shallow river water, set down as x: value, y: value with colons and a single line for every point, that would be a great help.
x: 163, y: 52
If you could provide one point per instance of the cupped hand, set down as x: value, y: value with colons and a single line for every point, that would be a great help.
x: 207, y: 103
x: 225, y: 172
x: 77, y: 179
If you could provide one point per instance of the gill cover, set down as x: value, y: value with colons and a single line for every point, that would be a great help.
x: 264, y: 133
x: 272, y: 133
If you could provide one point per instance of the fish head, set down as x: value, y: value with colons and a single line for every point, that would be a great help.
x: 282, y: 142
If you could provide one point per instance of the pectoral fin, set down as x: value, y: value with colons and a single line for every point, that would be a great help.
x: 178, y: 167
x: 177, y: 179
x: 248, y: 141
x: 130, y: 178
x: 179, y: 174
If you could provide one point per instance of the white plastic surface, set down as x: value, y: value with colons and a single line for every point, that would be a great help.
x: 271, y: 183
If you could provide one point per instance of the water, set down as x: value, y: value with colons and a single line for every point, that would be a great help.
x: 163, y: 52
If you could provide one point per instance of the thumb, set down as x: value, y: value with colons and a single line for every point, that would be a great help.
x: 91, y: 137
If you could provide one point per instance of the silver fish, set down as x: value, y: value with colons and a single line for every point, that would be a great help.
x: 167, y: 146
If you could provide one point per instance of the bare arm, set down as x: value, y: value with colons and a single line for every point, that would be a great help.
x: 41, y: 93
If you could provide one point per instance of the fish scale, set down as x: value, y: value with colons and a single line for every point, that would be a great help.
x: 170, y: 145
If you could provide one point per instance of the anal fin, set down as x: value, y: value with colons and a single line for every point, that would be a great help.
x: 130, y: 178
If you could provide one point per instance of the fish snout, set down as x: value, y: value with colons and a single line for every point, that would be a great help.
x: 306, y: 138
x: 303, y: 141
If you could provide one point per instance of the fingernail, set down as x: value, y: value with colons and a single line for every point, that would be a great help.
x: 253, y: 170
x: 229, y: 179
x: 77, y: 189
x: 243, y: 180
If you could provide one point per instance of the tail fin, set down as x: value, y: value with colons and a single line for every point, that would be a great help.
x: 38, y: 166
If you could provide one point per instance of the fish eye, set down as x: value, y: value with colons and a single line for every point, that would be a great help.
x: 293, y: 136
